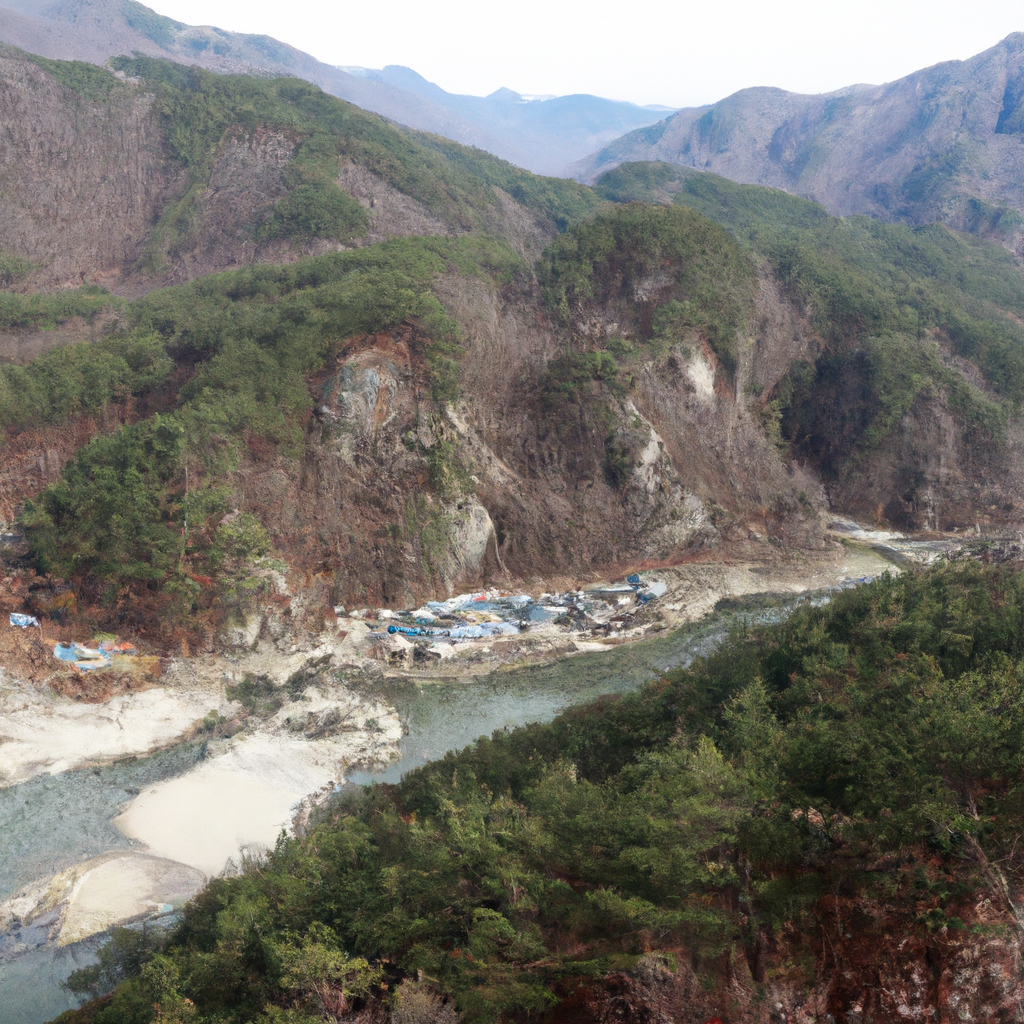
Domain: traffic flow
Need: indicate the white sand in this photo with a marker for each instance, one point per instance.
(245, 796)
(41, 732)
(114, 888)
(204, 817)
(123, 888)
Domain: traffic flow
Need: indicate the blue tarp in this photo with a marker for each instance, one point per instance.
(82, 657)
(472, 631)
(482, 629)
(415, 631)
(17, 619)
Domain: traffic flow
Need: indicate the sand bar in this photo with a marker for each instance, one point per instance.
(41, 732)
(245, 793)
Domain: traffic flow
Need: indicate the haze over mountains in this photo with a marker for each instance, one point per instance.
(936, 145)
(544, 137)
(538, 134)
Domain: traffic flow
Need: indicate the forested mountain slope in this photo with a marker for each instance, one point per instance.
(944, 143)
(911, 386)
(432, 370)
(131, 185)
(544, 137)
(820, 822)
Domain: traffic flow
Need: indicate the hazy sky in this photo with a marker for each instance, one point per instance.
(678, 52)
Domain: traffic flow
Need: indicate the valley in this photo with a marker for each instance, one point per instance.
(516, 598)
(207, 800)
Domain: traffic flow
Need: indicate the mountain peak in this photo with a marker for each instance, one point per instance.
(529, 134)
(505, 95)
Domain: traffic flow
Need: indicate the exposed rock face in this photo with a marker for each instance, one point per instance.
(392, 213)
(871, 965)
(34, 458)
(82, 182)
(935, 473)
(245, 179)
(938, 470)
(916, 149)
(396, 501)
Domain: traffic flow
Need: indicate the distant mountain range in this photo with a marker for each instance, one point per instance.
(945, 143)
(543, 136)
(538, 133)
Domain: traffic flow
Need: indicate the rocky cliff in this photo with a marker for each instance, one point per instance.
(83, 182)
(348, 334)
(395, 495)
(95, 195)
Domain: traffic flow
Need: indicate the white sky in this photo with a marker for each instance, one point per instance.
(676, 52)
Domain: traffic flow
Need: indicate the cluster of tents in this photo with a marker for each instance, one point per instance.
(492, 613)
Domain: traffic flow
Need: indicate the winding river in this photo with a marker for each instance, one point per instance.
(53, 821)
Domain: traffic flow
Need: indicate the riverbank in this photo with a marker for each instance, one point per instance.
(686, 594)
(46, 732)
(253, 777)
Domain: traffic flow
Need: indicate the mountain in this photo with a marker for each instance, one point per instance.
(945, 143)
(267, 353)
(540, 134)
(415, 367)
(543, 136)
(107, 185)
(355, 253)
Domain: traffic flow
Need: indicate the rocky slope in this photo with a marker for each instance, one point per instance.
(95, 195)
(941, 144)
(83, 182)
(387, 397)
(542, 136)
(394, 495)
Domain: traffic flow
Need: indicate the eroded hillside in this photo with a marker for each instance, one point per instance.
(421, 369)
(133, 182)
(905, 406)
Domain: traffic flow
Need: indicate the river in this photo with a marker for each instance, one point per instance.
(444, 715)
(52, 821)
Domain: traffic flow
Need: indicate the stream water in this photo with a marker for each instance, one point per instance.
(443, 715)
(51, 822)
